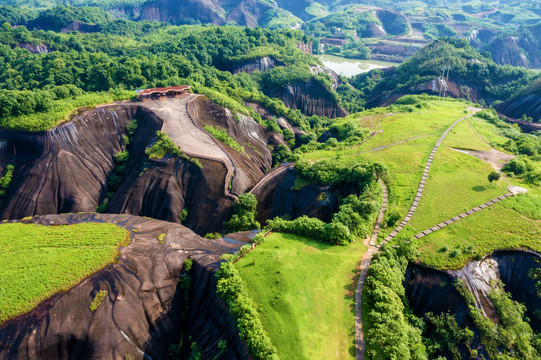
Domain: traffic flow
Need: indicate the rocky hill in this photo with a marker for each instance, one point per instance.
(145, 310)
(66, 169)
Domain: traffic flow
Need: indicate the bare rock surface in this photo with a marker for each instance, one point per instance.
(67, 168)
(311, 97)
(278, 196)
(141, 315)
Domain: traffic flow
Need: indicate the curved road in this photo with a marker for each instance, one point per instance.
(189, 136)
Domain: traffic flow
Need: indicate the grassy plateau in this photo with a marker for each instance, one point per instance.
(39, 261)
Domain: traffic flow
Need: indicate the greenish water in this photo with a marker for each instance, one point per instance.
(351, 67)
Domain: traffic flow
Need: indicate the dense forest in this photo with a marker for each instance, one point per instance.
(126, 56)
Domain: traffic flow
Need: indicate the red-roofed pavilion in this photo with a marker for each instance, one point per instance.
(159, 92)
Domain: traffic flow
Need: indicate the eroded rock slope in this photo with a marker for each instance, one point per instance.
(142, 314)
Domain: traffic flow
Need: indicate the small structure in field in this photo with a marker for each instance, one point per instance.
(163, 92)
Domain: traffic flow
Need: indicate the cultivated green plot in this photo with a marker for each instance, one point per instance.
(304, 293)
(39, 261)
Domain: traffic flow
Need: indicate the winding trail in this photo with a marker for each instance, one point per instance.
(421, 187)
(360, 343)
(189, 136)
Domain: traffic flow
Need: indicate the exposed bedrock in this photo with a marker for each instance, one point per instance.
(277, 196)
(455, 89)
(249, 66)
(506, 51)
(429, 290)
(181, 11)
(311, 97)
(141, 315)
(218, 12)
(249, 166)
(515, 268)
(66, 169)
(529, 105)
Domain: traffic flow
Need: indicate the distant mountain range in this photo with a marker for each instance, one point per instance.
(380, 29)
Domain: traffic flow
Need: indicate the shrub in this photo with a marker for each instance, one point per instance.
(5, 180)
(164, 145)
(223, 136)
(100, 295)
(454, 253)
(389, 334)
(183, 214)
(214, 235)
(233, 290)
(161, 237)
(244, 214)
(516, 165)
(494, 176)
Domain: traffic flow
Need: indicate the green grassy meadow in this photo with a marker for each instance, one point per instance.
(39, 261)
(493, 228)
(457, 182)
(304, 293)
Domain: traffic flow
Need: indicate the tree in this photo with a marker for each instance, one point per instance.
(244, 217)
(380, 170)
(494, 176)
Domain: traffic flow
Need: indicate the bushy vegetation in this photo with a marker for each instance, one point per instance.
(5, 180)
(389, 332)
(98, 298)
(222, 135)
(513, 336)
(232, 288)
(128, 55)
(163, 145)
(354, 218)
(528, 165)
(121, 160)
(40, 110)
(39, 261)
(331, 172)
(244, 214)
(499, 82)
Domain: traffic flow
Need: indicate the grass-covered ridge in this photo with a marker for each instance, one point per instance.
(39, 261)
(222, 135)
(304, 293)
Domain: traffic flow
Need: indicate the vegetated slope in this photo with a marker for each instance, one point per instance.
(471, 76)
(67, 169)
(134, 308)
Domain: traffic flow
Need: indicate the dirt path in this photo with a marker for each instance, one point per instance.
(360, 343)
(182, 130)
